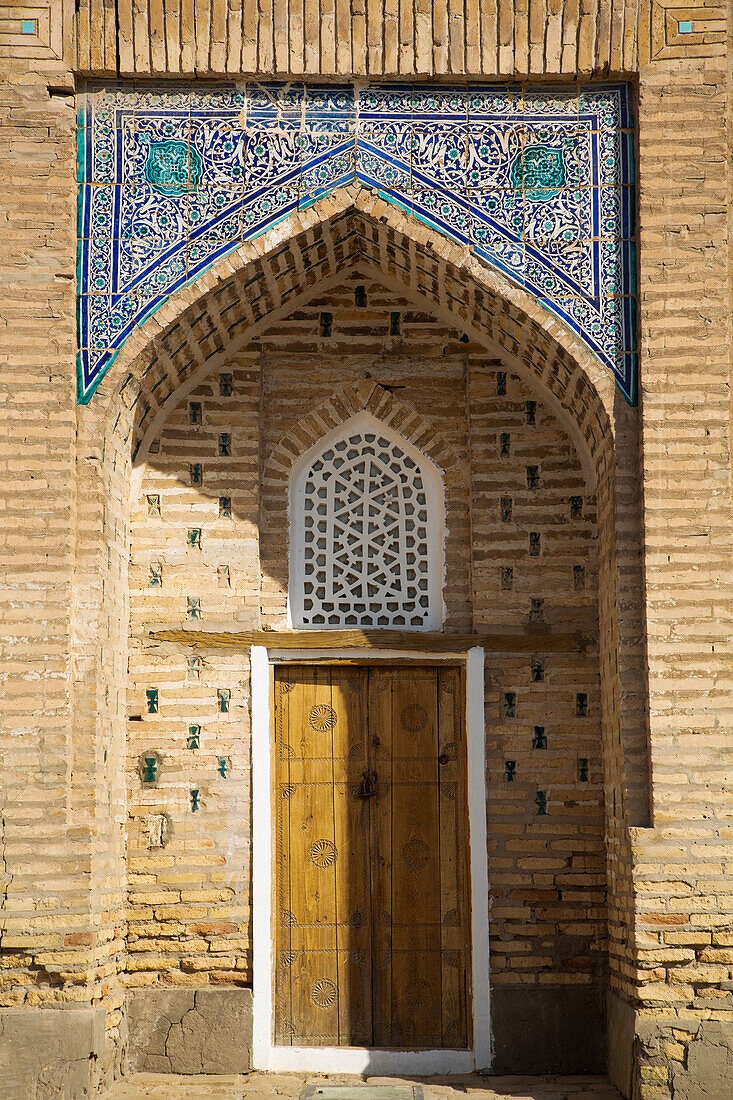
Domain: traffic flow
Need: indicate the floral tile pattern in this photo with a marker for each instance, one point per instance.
(538, 181)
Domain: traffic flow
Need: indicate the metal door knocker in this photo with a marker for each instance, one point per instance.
(368, 786)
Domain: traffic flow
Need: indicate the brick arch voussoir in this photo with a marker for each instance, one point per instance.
(364, 396)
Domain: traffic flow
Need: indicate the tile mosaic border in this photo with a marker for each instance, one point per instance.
(539, 182)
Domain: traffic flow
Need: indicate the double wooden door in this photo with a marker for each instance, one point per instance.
(372, 936)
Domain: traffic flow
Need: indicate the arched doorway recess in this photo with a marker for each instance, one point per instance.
(306, 258)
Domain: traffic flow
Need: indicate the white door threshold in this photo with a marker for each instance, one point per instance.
(367, 1060)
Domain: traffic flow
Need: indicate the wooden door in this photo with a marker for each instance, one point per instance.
(372, 943)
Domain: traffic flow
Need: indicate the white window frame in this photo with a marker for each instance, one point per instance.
(266, 1054)
(436, 531)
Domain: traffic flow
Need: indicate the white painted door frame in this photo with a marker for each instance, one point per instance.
(266, 1055)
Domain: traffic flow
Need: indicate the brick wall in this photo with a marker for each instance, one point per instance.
(45, 812)
(535, 562)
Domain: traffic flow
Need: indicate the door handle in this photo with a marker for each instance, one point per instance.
(368, 786)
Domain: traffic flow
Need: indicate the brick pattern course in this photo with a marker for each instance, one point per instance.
(390, 37)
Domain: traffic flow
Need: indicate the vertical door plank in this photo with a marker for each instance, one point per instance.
(416, 996)
(372, 940)
(453, 915)
(351, 832)
(380, 816)
(312, 844)
(284, 958)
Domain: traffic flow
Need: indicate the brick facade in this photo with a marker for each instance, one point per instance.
(623, 886)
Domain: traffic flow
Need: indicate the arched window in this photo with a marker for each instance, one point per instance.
(366, 532)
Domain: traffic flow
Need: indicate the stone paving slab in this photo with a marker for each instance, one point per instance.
(268, 1086)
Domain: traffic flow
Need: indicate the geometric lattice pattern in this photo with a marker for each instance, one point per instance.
(537, 182)
(365, 550)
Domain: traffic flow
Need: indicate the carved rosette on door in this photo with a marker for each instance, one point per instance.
(372, 937)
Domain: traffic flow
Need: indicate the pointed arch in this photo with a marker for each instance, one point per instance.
(265, 279)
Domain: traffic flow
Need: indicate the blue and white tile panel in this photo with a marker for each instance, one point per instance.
(539, 182)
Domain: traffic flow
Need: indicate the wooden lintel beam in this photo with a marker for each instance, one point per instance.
(374, 639)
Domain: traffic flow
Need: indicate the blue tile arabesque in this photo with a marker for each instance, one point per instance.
(537, 181)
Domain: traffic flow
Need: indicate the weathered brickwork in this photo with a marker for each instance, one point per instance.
(424, 385)
(60, 912)
(624, 883)
(194, 555)
(534, 561)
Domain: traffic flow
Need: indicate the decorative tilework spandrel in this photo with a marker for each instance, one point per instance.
(538, 182)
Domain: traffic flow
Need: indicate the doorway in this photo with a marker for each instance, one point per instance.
(372, 885)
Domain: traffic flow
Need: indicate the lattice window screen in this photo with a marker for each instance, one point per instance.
(365, 549)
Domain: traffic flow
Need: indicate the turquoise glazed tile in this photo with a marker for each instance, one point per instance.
(537, 181)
